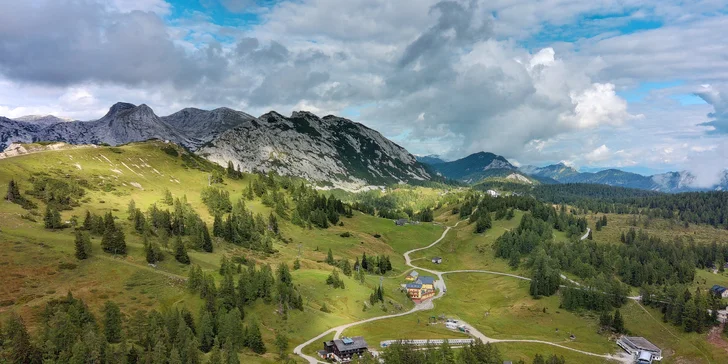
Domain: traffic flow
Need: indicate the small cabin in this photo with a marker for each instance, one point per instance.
(412, 276)
(437, 260)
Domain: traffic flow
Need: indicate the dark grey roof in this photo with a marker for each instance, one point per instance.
(357, 342)
(642, 343)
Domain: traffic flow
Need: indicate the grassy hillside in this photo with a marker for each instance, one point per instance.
(39, 264)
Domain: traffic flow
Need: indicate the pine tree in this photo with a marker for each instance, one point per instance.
(296, 264)
(21, 349)
(618, 322)
(52, 218)
(83, 245)
(112, 322)
(281, 343)
(206, 240)
(88, 221)
(13, 194)
(446, 354)
(254, 340)
(273, 223)
(131, 210)
(346, 267)
(167, 199)
(231, 356)
(206, 331)
(330, 258)
(180, 252)
(215, 355)
(174, 356)
(151, 250)
(605, 319)
(217, 226)
(113, 241)
(484, 222)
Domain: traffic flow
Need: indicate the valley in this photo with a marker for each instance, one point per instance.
(474, 284)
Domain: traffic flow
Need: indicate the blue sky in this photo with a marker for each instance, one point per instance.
(638, 85)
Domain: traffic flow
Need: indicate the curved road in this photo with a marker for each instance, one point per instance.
(427, 305)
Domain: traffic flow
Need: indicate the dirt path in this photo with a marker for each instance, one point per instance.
(429, 304)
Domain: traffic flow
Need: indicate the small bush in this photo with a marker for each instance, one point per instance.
(345, 234)
(67, 266)
(325, 308)
(28, 217)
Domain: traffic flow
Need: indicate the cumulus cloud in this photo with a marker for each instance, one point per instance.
(719, 101)
(599, 154)
(449, 77)
(68, 42)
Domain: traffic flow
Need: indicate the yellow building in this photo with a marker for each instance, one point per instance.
(412, 276)
(421, 289)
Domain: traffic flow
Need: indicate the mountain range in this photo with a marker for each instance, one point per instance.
(330, 151)
(479, 166)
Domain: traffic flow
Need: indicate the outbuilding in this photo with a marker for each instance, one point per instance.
(640, 347)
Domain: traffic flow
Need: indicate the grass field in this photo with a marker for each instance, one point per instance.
(462, 249)
(37, 265)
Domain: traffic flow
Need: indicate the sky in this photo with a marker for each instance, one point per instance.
(638, 85)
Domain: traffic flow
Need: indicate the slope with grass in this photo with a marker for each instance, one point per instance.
(39, 264)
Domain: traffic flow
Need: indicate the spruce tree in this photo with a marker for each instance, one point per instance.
(174, 356)
(281, 343)
(618, 322)
(217, 226)
(605, 319)
(167, 199)
(83, 245)
(254, 340)
(206, 331)
(215, 355)
(112, 322)
(52, 219)
(330, 258)
(180, 252)
(18, 343)
(296, 264)
(13, 194)
(206, 240)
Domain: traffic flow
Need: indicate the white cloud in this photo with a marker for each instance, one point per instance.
(599, 154)
(453, 77)
(597, 105)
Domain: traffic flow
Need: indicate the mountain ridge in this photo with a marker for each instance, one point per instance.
(469, 170)
(330, 151)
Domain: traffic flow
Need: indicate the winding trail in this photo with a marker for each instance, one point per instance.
(427, 305)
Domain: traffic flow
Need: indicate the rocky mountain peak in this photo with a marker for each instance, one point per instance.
(118, 108)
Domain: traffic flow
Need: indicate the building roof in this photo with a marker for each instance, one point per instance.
(436, 258)
(414, 285)
(348, 343)
(641, 343)
(718, 289)
(413, 273)
(426, 280)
